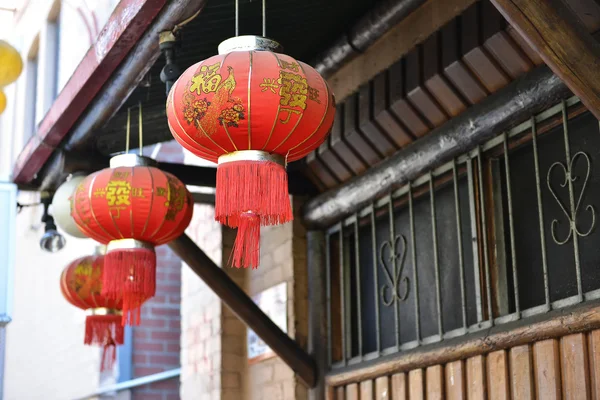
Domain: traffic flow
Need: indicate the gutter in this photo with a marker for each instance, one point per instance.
(126, 49)
(364, 33)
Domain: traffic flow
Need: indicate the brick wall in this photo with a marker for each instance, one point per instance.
(201, 315)
(156, 342)
(214, 361)
(283, 259)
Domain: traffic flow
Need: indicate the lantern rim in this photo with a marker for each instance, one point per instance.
(102, 311)
(131, 160)
(252, 155)
(125, 244)
(249, 43)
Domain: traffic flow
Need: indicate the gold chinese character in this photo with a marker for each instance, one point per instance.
(291, 66)
(207, 80)
(269, 84)
(293, 90)
(137, 192)
(117, 193)
(161, 191)
(313, 94)
(120, 175)
(289, 111)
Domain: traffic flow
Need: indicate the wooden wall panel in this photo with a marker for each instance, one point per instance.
(434, 380)
(497, 376)
(416, 385)
(568, 367)
(399, 386)
(366, 390)
(382, 388)
(521, 373)
(352, 392)
(476, 378)
(455, 380)
(546, 360)
(574, 367)
(594, 356)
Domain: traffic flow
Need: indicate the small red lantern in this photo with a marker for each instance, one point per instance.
(81, 285)
(251, 110)
(131, 206)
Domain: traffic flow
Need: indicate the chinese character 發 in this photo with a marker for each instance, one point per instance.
(293, 90)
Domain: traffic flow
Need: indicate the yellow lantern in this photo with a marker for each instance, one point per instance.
(11, 64)
(2, 101)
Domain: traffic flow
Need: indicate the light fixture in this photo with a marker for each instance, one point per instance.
(52, 241)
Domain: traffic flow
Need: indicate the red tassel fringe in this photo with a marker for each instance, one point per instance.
(251, 194)
(260, 187)
(130, 273)
(107, 331)
(246, 249)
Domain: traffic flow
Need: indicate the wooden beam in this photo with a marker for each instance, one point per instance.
(126, 24)
(561, 39)
(246, 310)
(554, 324)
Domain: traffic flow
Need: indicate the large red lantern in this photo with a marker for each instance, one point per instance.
(81, 285)
(131, 206)
(252, 110)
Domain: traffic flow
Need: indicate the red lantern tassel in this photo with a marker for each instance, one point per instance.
(246, 249)
(130, 273)
(251, 193)
(105, 330)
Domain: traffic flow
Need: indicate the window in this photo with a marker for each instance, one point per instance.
(31, 91)
(501, 233)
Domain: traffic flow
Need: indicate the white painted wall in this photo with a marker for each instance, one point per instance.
(44, 357)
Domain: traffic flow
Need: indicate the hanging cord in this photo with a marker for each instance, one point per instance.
(264, 18)
(237, 17)
(141, 139)
(128, 130)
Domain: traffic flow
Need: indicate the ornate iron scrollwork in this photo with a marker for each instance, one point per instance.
(393, 267)
(569, 178)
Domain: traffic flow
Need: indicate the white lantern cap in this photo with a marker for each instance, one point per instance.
(61, 207)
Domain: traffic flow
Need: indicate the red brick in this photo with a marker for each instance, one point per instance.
(173, 396)
(139, 333)
(139, 358)
(163, 386)
(148, 346)
(175, 324)
(164, 359)
(173, 348)
(168, 288)
(145, 396)
(174, 277)
(163, 311)
(143, 371)
(153, 323)
(174, 336)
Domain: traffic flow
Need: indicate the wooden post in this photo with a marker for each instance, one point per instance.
(246, 310)
(317, 303)
(561, 39)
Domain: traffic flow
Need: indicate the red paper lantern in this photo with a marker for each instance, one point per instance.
(81, 285)
(131, 206)
(251, 110)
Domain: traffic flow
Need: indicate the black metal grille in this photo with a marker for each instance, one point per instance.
(501, 233)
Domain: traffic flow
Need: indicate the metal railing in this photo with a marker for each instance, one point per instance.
(132, 384)
(485, 273)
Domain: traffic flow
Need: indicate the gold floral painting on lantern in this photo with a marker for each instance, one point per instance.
(86, 279)
(224, 109)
